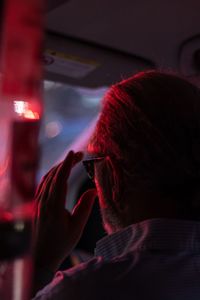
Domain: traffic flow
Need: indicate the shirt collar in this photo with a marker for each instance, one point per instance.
(158, 234)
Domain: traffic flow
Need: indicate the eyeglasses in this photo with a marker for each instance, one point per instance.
(89, 166)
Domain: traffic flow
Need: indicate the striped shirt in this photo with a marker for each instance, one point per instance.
(154, 259)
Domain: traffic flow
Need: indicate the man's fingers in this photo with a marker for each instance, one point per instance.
(42, 196)
(40, 187)
(65, 168)
(77, 157)
(52, 190)
(58, 188)
(82, 210)
(59, 183)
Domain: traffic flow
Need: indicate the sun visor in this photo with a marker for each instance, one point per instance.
(84, 64)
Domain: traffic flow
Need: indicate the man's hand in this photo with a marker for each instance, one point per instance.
(57, 231)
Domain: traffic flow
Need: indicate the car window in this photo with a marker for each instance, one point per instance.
(68, 112)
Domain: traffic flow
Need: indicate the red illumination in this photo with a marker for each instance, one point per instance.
(24, 156)
(6, 216)
(22, 47)
(4, 167)
(29, 114)
(26, 110)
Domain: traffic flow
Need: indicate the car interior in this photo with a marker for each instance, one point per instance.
(90, 45)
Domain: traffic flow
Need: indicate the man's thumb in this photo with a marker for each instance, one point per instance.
(83, 208)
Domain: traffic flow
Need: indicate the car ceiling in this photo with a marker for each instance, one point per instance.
(154, 30)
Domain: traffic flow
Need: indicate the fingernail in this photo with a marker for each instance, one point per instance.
(78, 155)
(70, 153)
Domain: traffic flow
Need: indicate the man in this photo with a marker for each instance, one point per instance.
(147, 171)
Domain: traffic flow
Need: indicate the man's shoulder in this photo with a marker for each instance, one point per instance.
(70, 281)
(84, 280)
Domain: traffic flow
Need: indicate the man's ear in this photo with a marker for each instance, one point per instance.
(116, 179)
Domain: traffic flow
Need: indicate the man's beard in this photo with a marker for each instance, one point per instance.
(111, 222)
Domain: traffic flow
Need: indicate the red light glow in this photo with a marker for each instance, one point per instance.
(23, 109)
(6, 216)
(3, 168)
(29, 114)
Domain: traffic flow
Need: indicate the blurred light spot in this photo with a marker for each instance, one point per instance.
(19, 226)
(53, 129)
(29, 114)
(91, 102)
(48, 85)
(22, 108)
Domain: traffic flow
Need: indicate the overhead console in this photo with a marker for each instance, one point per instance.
(85, 64)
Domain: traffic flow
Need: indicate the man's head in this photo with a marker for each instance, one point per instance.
(149, 135)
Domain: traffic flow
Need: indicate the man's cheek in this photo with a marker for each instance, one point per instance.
(101, 195)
